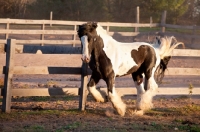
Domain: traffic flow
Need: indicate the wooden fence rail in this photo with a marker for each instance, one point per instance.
(45, 23)
(45, 29)
(11, 68)
(10, 27)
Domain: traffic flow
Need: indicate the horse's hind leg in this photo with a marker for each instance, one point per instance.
(140, 104)
(145, 91)
(92, 88)
(115, 99)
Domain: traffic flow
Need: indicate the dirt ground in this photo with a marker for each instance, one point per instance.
(60, 114)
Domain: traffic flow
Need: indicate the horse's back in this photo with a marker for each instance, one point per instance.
(125, 57)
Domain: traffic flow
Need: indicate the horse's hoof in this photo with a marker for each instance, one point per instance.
(121, 110)
(102, 100)
(133, 112)
(139, 112)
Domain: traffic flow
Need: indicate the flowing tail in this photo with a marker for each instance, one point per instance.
(165, 47)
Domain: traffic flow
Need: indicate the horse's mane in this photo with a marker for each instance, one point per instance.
(102, 32)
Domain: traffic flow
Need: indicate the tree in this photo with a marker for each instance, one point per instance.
(174, 8)
(102, 10)
(13, 8)
(122, 10)
(81, 10)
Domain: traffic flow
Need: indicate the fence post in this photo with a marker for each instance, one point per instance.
(74, 36)
(137, 18)
(194, 32)
(83, 92)
(7, 28)
(42, 35)
(151, 21)
(163, 21)
(51, 17)
(9, 69)
(108, 27)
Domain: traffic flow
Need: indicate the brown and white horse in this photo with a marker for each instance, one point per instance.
(109, 58)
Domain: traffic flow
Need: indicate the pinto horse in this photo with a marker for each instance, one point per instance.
(109, 58)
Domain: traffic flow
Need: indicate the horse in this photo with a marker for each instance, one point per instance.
(109, 59)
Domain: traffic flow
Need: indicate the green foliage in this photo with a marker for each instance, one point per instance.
(40, 98)
(100, 10)
(35, 128)
(79, 10)
(72, 126)
(174, 8)
(109, 10)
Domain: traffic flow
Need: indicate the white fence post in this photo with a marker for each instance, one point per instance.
(51, 17)
(137, 18)
(163, 21)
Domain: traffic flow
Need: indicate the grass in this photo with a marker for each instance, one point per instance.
(178, 124)
(182, 111)
(26, 114)
(38, 27)
(35, 128)
(50, 83)
(46, 98)
(71, 126)
(131, 29)
(40, 98)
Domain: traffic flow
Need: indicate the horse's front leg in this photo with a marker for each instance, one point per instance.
(92, 88)
(115, 99)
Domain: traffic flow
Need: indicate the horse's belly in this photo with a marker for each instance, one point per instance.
(126, 67)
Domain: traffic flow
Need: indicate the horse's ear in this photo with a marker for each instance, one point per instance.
(94, 25)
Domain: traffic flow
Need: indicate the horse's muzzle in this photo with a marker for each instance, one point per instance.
(85, 59)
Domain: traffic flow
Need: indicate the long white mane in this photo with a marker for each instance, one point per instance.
(101, 31)
(105, 35)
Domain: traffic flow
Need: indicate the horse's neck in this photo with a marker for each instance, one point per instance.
(104, 34)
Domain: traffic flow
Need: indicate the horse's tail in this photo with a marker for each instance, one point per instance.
(165, 47)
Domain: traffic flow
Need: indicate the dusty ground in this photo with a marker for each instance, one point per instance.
(59, 114)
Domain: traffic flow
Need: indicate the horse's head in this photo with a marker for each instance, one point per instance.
(87, 34)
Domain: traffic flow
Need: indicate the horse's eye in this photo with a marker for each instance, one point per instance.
(89, 39)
